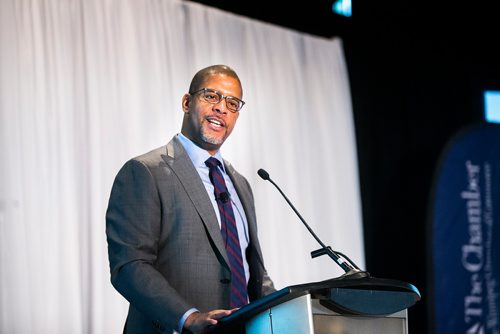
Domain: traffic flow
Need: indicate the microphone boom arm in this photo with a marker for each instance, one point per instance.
(343, 261)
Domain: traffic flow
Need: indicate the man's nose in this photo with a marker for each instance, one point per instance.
(220, 107)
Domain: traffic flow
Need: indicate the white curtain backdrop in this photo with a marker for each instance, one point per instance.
(87, 84)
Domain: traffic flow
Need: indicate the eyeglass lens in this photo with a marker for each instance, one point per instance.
(214, 97)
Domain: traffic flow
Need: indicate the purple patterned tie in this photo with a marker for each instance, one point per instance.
(239, 295)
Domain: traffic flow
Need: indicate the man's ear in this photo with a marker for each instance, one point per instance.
(186, 101)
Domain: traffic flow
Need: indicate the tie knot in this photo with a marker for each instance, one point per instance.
(212, 162)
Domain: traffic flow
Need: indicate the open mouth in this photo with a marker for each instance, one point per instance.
(215, 122)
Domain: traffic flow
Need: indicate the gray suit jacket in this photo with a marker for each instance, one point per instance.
(165, 248)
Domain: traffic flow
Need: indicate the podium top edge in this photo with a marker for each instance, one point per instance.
(365, 283)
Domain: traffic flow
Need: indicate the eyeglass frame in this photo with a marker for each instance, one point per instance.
(221, 96)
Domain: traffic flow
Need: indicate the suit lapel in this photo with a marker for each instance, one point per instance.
(245, 199)
(254, 253)
(181, 165)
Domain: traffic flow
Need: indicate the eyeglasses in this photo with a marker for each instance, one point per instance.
(212, 96)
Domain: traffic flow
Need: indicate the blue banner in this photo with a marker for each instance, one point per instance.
(465, 234)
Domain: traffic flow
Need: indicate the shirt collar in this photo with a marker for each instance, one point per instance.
(198, 155)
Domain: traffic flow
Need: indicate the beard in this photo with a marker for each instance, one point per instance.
(212, 139)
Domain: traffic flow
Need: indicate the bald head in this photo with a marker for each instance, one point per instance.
(206, 73)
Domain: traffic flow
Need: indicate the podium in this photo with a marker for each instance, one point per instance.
(337, 306)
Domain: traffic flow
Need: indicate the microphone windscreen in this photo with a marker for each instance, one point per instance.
(263, 174)
(224, 197)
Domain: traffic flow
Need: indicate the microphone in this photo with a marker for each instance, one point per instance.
(264, 175)
(224, 197)
(351, 269)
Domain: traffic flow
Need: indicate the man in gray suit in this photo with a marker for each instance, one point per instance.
(166, 252)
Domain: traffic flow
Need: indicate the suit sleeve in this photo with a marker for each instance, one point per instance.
(133, 224)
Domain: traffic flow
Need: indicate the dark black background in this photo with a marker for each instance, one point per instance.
(417, 71)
